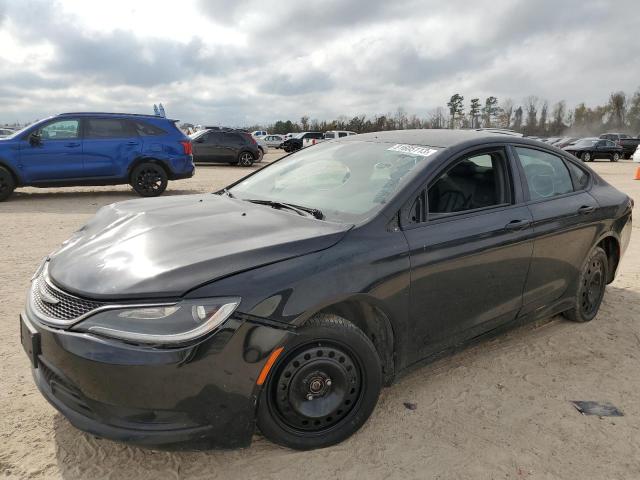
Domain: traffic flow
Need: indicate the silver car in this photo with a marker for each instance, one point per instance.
(273, 140)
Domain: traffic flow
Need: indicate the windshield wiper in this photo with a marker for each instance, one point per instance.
(300, 210)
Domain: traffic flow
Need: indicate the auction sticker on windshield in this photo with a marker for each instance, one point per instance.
(413, 149)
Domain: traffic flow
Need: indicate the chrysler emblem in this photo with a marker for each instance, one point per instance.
(46, 297)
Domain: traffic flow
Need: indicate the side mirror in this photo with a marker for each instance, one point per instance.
(35, 139)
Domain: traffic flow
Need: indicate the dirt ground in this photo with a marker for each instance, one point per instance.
(498, 410)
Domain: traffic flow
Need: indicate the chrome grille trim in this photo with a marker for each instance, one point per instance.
(69, 309)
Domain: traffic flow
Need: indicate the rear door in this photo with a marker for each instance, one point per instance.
(564, 223)
(207, 148)
(58, 154)
(470, 247)
(110, 144)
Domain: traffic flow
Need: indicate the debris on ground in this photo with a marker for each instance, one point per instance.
(604, 409)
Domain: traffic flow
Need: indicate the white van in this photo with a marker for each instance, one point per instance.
(332, 134)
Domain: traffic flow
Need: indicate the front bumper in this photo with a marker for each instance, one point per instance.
(200, 396)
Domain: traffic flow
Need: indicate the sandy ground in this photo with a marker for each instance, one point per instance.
(497, 410)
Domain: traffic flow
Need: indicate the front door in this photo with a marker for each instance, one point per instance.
(56, 153)
(470, 247)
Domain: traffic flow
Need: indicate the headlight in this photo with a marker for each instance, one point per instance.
(161, 324)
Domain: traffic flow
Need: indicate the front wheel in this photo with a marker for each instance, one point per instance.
(245, 159)
(149, 179)
(585, 157)
(615, 157)
(591, 285)
(324, 387)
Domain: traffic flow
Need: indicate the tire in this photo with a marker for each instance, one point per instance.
(149, 179)
(7, 184)
(260, 156)
(323, 388)
(615, 157)
(586, 157)
(591, 286)
(245, 159)
(626, 156)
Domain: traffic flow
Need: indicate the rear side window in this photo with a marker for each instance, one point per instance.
(146, 129)
(580, 177)
(342, 134)
(547, 175)
(329, 135)
(108, 128)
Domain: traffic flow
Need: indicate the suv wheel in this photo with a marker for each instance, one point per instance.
(7, 184)
(616, 157)
(149, 179)
(260, 155)
(585, 157)
(323, 388)
(245, 159)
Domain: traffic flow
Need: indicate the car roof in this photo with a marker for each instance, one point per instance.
(441, 138)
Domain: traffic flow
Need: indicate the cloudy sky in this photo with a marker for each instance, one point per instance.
(241, 62)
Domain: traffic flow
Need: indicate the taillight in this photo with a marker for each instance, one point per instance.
(250, 137)
(188, 148)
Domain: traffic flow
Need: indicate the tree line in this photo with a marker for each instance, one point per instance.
(532, 116)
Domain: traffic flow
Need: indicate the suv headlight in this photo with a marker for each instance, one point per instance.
(161, 324)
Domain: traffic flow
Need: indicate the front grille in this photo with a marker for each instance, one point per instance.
(54, 304)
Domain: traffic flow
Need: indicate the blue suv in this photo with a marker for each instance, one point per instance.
(72, 149)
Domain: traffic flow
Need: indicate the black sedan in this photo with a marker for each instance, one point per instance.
(589, 149)
(289, 299)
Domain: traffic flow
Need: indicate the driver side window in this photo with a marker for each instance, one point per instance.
(60, 130)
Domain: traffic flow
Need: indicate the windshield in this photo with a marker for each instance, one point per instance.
(197, 134)
(347, 182)
(586, 142)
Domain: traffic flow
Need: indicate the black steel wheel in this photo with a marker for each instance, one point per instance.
(591, 287)
(149, 179)
(245, 159)
(323, 388)
(7, 184)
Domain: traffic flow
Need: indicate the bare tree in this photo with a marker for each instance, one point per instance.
(456, 108)
(531, 106)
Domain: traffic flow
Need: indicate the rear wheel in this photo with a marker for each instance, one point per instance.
(585, 157)
(615, 157)
(324, 388)
(149, 179)
(245, 159)
(592, 283)
(7, 184)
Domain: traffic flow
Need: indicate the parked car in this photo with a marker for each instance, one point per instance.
(5, 132)
(260, 133)
(332, 134)
(289, 298)
(70, 149)
(589, 149)
(300, 140)
(262, 147)
(628, 143)
(274, 141)
(565, 142)
(225, 146)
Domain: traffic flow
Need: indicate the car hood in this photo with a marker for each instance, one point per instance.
(167, 246)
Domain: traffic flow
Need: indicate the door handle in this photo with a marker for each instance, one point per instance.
(515, 225)
(133, 143)
(586, 210)
(72, 144)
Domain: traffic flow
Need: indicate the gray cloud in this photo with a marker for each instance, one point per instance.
(324, 59)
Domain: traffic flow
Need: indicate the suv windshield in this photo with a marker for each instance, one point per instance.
(347, 182)
(586, 142)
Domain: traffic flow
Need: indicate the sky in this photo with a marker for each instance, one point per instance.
(246, 62)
